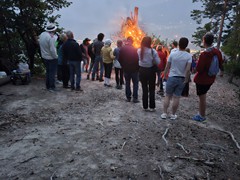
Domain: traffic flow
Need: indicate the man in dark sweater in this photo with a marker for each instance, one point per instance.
(72, 54)
(128, 58)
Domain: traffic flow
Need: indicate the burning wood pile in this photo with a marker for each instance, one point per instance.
(131, 28)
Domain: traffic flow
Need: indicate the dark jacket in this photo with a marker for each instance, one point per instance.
(203, 65)
(97, 46)
(128, 58)
(71, 51)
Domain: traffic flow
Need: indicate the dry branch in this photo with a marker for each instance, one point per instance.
(160, 172)
(193, 159)
(185, 150)
(123, 145)
(163, 136)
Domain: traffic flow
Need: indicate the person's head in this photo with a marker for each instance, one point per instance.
(183, 43)
(63, 37)
(146, 42)
(108, 42)
(51, 27)
(86, 41)
(208, 39)
(69, 34)
(130, 40)
(188, 50)
(100, 36)
(174, 44)
(159, 48)
(119, 43)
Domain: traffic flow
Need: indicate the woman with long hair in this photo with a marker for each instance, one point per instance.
(148, 61)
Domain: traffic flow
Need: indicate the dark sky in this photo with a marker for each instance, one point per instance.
(168, 18)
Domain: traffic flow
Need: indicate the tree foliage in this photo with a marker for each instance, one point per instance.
(220, 14)
(22, 21)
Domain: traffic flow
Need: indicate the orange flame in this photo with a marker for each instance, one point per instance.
(130, 28)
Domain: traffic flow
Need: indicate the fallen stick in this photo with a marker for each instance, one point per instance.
(51, 178)
(163, 136)
(193, 159)
(181, 146)
(233, 138)
(160, 172)
(123, 145)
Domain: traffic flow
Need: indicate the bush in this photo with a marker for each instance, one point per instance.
(233, 68)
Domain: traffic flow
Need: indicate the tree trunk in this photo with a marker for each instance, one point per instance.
(221, 24)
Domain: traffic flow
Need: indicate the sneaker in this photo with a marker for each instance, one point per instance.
(128, 99)
(173, 116)
(199, 118)
(146, 109)
(164, 116)
(79, 89)
(101, 80)
(135, 100)
(152, 109)
(51, 90)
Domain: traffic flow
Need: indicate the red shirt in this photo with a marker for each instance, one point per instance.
(203, 65)
(163, 60)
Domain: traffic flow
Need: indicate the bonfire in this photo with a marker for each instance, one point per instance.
(131, 28)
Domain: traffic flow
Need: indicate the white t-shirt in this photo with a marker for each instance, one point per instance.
(179, 61)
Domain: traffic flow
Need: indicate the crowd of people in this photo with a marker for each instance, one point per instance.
(152, 66)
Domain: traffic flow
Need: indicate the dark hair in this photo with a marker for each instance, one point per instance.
(146, 42)
(208, 38)
(175, 43)
(130, 38)
(183, 43)
(100, 36)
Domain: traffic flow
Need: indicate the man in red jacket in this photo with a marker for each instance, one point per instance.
(202, 79)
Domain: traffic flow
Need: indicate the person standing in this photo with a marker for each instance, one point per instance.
(118, 68)
(92, 56)
(202, 79)
(97, 46)
(108, 58)
(85, 56)
(73, 55)
(161, 67)
(48, 49)
(148, 58)
(128, 59)
(174, 46)
(178, 65)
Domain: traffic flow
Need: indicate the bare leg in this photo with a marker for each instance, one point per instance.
(202, 105)
(175, 104)
(166, 103)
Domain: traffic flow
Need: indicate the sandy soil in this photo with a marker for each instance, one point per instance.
(96, 134)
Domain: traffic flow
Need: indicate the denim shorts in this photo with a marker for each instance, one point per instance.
(175, 86)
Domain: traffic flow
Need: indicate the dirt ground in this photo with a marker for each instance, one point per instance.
(96, 134)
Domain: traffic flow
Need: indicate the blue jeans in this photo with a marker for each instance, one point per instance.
(134, 77)
(175, 86)
(75, 68)
(51, 69)
(98, 60)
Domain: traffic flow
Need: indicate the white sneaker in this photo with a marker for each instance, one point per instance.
(152, 109)
(173, 116)
(164, 116)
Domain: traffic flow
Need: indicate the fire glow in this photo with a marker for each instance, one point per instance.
(130, 28)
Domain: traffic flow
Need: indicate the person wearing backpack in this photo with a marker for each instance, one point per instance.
(202, 77)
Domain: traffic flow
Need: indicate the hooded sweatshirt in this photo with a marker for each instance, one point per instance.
(107, 54)
(203, 65)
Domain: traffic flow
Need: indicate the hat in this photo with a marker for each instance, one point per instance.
(108, 42)
(50, 27)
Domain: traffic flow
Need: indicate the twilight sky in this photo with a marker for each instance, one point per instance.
(167, 18)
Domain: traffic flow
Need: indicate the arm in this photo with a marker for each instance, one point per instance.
(166, 70)
(53, 48)
(187, 72)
